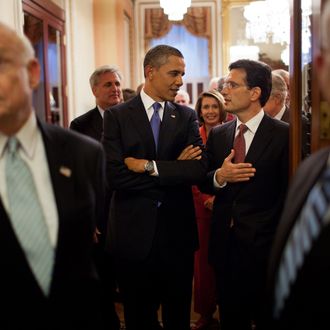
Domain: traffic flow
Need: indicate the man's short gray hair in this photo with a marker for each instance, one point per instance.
(95, 77)
(279, 86)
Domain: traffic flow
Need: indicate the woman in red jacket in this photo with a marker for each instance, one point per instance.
(210, 112)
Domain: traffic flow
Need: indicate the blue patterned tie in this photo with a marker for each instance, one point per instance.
(314, 216)
(27, 217)
(155, 122)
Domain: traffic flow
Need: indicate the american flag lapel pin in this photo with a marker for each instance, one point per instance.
(65, 171)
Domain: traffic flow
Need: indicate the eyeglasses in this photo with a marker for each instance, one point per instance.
(231, 85)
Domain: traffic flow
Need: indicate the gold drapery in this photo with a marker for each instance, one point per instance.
(197, 21)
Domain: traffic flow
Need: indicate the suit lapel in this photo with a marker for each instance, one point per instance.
(229, 137)
(97, 122)
(139, 118)
(60, 168)
(168, 127)
(261, 140)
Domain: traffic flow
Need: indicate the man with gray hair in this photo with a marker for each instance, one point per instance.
(275, 106)
(299, 267)
(286, 77)
(105, 83)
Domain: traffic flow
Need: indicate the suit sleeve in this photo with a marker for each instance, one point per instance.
(74, 126)
(207, 186)
(118, 175)
(174, 172)
(100, 191)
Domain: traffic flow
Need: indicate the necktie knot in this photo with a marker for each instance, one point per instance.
(156, 106)
(12, 145)
(242, 129)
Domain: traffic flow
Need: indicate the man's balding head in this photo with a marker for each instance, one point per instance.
(19, 75)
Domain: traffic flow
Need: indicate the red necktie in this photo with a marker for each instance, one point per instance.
(239, 144)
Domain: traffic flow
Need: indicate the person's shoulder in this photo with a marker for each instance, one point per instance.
(183, 110)
(126, 106)
(278, 124)
(181, 107)
(319, 156)
(65, 135)
(85, 117)
(220, 129)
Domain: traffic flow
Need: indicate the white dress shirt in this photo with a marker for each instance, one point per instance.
(32, 151)
(101, 111)
(280, 113)
(148, 103)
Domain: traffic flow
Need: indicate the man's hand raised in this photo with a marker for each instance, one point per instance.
(231, 172)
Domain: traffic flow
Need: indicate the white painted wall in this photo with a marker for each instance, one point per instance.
(11, 14)
(80, 56)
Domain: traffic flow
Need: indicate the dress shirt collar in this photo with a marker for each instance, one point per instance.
(148, 101)
(27, 136)
(280, 113)
(253, 123)
(101, 111)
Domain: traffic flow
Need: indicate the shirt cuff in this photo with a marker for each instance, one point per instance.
(215, 182)
(155, 173)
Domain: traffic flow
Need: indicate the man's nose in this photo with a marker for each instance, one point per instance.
(179, 80)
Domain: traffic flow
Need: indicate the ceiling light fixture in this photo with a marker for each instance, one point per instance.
(175, 9)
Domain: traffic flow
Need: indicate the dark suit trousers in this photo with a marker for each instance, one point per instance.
(105, 268)
(164, 278)
(239, 287)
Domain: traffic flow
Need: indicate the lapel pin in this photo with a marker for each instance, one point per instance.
(65, 171)
(172, 116)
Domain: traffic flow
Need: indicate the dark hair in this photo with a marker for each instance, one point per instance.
(258, 74)
(128, 93)
(219, 98)
(158, 55)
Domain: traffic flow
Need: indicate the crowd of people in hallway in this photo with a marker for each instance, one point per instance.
(161, 203)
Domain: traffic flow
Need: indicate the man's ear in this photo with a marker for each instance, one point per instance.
(256, 92)
(33, 68)
(149, 72)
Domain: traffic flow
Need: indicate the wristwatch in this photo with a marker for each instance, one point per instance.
(149, 167)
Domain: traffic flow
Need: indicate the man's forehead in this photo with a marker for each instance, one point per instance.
(236, 74)
(110, 76)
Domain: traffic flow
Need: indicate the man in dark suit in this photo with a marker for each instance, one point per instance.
(152, 232)
(249, 192)
(66, 174)
(105, 83)
(301, 302)
(277, 108)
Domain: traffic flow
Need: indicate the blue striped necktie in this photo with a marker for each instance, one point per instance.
(155, 122)
(27, 217)
(314, 216)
